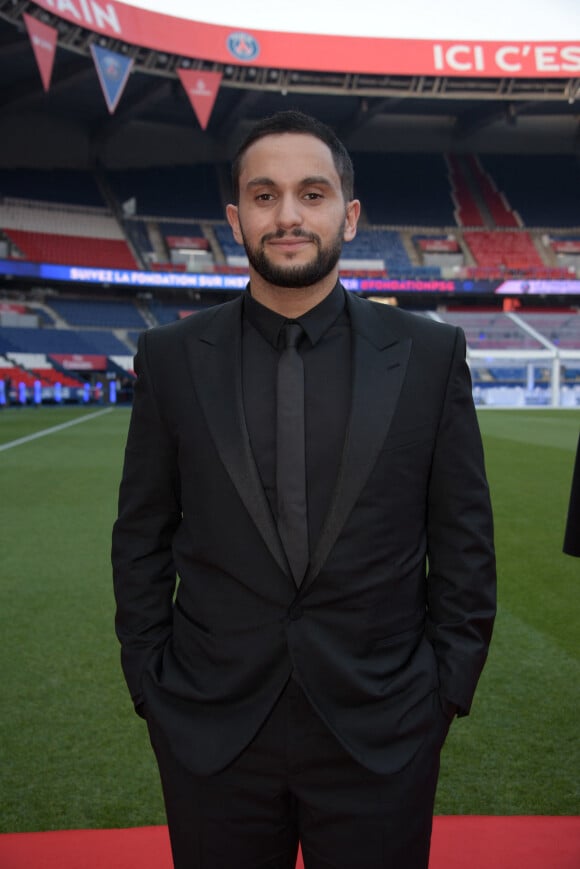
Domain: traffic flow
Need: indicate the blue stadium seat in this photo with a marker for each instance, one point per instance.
(114, 315)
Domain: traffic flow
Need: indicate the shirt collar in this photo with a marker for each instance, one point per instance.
(315, 322)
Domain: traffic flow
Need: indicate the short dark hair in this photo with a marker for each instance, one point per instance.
(297, 122)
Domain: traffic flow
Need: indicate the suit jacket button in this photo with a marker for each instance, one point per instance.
(295, 613)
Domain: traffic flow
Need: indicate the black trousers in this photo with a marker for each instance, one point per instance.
(296, 783)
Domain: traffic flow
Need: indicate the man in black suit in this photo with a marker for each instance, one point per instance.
(299, 680)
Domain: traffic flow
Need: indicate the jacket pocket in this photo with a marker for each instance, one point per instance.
(400, 637)
(407, 438)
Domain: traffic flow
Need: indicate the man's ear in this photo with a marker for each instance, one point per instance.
(352, 216)
(234, 221)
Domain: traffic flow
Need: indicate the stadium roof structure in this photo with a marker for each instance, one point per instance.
(154, 123)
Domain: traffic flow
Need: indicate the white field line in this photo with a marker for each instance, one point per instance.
(55, 428)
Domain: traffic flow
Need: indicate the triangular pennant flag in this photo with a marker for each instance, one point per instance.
(113, 70)
(43, 39)
(202, 89)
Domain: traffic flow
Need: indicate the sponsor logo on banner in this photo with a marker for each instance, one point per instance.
(113, 70)
(43, 39)
(243, 46)
(202, 89)
(438, 245)
(570, 246)
(9, 307)
(80, 362)
(186, 242)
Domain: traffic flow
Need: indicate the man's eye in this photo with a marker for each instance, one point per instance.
(264, 197)
(313, 195)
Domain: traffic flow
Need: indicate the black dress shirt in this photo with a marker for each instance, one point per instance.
(326, 353)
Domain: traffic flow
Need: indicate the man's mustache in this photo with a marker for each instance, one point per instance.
(294, 233)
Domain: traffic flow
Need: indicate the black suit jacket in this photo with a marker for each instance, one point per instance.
(397, 606)
(572, 532)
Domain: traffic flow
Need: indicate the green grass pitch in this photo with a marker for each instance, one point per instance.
(74, 755)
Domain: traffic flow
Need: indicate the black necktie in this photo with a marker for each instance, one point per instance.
(291, 453)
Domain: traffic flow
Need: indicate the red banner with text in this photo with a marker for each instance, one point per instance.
(12, 308)
(570, 246)
(320, 52)
(439, 245)
(186, 242)
(80, 362)
(43, 39)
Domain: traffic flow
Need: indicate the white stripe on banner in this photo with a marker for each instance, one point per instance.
(47, 431)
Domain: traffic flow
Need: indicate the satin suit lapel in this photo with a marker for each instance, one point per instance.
(216, 364)
(379, 364)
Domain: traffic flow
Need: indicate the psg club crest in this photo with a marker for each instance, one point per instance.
(112, 67)
(243, 46)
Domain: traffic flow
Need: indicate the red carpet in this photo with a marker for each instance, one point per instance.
(463, 842)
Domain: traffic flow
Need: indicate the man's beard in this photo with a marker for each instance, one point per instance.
(295, 276)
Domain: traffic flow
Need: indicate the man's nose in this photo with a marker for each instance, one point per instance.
(289, 213)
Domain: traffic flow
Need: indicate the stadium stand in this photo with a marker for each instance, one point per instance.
(136, 232)
(32, 379)
(499, 210)
(513, 365)
(544, 189)
(504, 250)
(384, 248)
(45, 317)
(171, 192)
(132, 337)
(66, 234)
(404, 189)
(561, 328)
(148, 210)
(93, 312)
(187, 245)
(166, 312)
(72, 250)
(48, 341)
(467, 212)
(171, 218)
(233, 252)
(491, 330)
(189, 230)
(39, 366)
(13, 375)
(75, 187)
